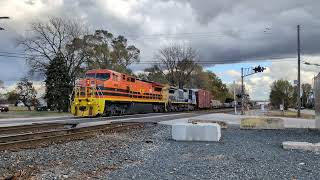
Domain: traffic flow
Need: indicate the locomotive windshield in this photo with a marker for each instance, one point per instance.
(103, 76)
(91, 75)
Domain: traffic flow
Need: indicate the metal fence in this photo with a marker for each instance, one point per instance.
(317, 99)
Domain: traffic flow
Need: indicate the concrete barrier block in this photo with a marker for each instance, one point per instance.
(222, 124)
(301, 146)
(196, 132)
(262, 123)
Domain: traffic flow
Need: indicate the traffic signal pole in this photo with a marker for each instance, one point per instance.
(234, 97)
(242, 93)
(299, 97)
(244, 73)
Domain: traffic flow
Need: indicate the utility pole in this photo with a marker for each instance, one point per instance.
(298, 98)
(242, 93)
(234, 97)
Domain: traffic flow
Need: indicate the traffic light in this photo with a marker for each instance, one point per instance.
(258, 69)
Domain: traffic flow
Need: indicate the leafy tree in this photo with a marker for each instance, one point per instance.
(281, 91)
(218, 88)
(106, 51)
(1, 84)
(12, 97)
(58, 85)
(2, 98)
(26, 93)
(209, 81)
(306, 90)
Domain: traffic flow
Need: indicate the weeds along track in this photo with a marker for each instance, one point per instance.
(43, 138)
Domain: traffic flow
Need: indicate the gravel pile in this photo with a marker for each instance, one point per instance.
(93, 157)
(149, 153)
(241, 154)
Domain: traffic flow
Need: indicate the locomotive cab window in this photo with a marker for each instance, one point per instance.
(91, 75)
(115, 77)
(103, 76)
(157, 89)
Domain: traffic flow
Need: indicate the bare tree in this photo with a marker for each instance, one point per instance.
(177, 63)
(55, 37)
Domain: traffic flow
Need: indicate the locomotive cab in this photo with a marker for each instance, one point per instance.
(87, 101)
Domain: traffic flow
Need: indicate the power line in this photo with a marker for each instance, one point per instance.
(13, 56)
(204, 61)
(313, 64)
(187, 37)
(15, 53)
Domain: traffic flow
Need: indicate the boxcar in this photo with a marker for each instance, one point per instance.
(203, 98)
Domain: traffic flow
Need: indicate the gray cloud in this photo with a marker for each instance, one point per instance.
(222, 31)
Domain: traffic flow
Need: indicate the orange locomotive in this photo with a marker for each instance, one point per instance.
(106, 92)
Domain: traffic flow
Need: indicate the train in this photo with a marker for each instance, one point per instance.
(104, 92)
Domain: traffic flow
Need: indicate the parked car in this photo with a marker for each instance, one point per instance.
(227, 105)
(4, 108)
(42, 108)
(300, 107)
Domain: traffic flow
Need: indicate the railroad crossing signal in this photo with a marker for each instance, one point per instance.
(244, 73)
(258, 69)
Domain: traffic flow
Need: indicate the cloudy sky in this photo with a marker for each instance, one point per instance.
(243, 32)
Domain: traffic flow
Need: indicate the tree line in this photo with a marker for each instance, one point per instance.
(61, 50)
(282, 92)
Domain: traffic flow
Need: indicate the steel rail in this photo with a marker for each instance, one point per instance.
(33, 127)
(33, 139)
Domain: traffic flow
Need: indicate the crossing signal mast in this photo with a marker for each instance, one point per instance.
(244, 73)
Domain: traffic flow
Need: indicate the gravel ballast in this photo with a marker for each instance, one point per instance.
(150, 153)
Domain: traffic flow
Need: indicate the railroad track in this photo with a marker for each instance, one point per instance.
(43, 138)
(29, 136)
(33, 127)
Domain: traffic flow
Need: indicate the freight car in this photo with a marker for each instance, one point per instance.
(203, 98)
(106, 92)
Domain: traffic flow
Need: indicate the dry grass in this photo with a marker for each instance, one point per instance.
(262, 123)
(289, 114)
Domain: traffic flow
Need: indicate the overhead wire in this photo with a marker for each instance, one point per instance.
(176, 35)
(203, 61)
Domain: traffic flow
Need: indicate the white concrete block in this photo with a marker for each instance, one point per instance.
(301, 146)
(196, 132)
